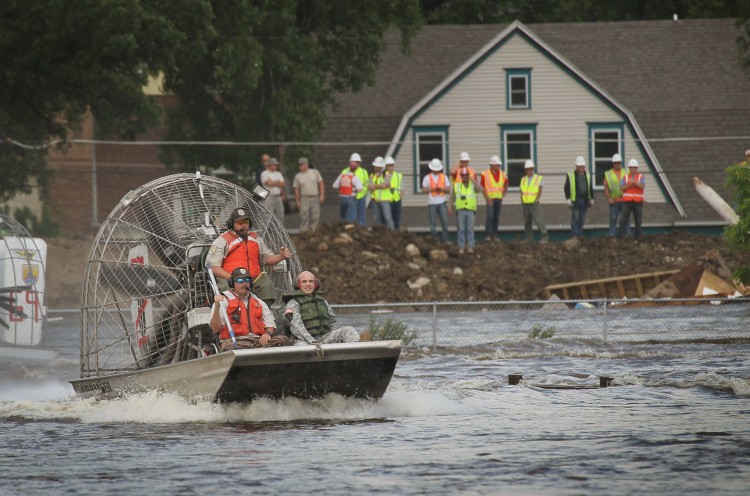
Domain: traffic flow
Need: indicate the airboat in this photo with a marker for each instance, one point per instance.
(147, 297)
(23, 309)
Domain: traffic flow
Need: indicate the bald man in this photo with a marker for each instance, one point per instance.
(311, 318)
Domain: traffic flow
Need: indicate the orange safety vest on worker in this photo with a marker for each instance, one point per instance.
(632, 193)
(243, 321)
(242, 253)
(439, 183)
(530, 190)
(346, 186)
(494, 188)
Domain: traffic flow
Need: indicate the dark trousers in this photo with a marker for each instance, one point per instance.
(636, 208)
(396, 214)
(493, 217)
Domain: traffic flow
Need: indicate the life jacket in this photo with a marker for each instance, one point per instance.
(494, 188)
(242, 253)
(242, 319)
(466, 196)
(439, 183)
(574, 186)
(380, 195)
(346, 185)
(530, 190)
(313, 311)
(631, 193)
(613, 183)
(396, 180)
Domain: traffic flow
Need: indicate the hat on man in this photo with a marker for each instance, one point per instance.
(747, 152)
(355, 158)
(580, 162)
(616, 158)
(464, 157)
(529, 164)
(273, 161)
(389, 161)
(378, 162)
(302, 160)
(495, 160)
(239, 272)
(435, 165)
(633, 163)
(239, 213)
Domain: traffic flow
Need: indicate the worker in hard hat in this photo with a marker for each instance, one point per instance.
(463, 163)
(396, 180)
(349, 184)
(632, 186)
(437, 186)
(380, 193)
(531, 192)
(580, 196)
(360, 199)
(612, 191)
(464, 196)
(494, 183)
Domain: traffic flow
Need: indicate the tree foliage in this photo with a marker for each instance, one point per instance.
(738, 235)
(266, 71)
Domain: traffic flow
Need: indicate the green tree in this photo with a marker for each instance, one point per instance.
(266, 71)
(738, 235)
(62, 60)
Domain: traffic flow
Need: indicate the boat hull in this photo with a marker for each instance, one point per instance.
(361, 370)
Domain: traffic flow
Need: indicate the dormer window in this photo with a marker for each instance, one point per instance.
(518, 88)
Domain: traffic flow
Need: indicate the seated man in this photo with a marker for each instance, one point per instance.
(251, 319)
(241, 247)
(311, 317)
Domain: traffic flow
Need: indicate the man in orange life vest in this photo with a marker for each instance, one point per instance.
(240, 247)
(250, 318)
(632, 186)
(437, 185)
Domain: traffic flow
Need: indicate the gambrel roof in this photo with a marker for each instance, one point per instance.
(681, 82)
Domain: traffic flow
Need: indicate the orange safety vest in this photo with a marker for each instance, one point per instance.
(530, 190)
(440, 183)
(242, 320)
(346, 185)
(242, 253)
(494, 188)
(632, 193)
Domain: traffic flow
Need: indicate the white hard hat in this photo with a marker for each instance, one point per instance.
(529, 164)
(389, 160)
(633, 163)
(495, 160)
(435, 165)
(355, 158)
(463, 156)
(378, 162)
(616, 158)
(580, 161)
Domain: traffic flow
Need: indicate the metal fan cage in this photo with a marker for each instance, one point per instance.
(22, 284)
(146, 269)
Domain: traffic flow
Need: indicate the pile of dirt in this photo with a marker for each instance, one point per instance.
(370, 265)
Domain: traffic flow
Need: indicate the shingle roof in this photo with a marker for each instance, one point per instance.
(679, 79)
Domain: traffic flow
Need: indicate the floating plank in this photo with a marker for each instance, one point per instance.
(631, 286)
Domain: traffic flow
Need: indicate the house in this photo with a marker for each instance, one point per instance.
(670, 94)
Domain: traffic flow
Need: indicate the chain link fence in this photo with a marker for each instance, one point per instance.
(472, 323)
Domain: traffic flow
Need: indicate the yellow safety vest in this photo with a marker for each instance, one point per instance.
(466, 196)
(572, 184)
(529, 191)
(379, 194)
(396, 180)
(494, 188)
(613, 182)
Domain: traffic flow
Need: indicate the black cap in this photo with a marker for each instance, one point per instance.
(239, 272)
(239, 214)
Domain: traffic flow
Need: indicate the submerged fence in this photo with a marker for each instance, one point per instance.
(471, 323)
(476, 323)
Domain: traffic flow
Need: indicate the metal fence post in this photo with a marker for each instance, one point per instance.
(605, 319)
(434, 324)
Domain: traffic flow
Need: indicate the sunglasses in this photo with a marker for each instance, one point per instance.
(243, 280)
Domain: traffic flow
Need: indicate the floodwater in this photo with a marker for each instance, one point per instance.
(677, 421)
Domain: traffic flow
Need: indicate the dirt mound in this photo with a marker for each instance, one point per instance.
(359, 265)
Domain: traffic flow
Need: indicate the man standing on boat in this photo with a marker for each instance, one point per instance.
(250, 318)
(310, 316)
(240, 247)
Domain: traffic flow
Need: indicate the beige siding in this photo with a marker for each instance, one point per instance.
(561, 108)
